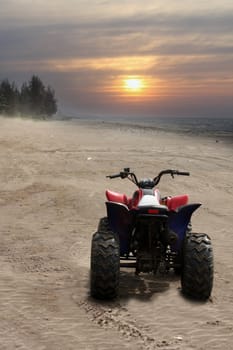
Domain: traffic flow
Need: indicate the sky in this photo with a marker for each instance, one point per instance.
(123, 57)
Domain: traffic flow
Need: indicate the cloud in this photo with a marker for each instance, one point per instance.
(141, 33)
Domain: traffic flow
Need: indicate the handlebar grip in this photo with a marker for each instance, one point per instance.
(113, 176)
(184, 173)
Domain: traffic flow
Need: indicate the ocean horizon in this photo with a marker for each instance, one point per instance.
(217, 127)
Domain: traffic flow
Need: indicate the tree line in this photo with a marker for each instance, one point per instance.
(33, 99)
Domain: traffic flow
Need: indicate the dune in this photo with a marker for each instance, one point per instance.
(52, 185)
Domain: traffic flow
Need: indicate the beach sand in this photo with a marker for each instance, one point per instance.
(52, 194)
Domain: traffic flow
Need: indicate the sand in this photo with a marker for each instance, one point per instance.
(52, 184)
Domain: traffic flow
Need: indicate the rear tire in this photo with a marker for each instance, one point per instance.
(105, 265)
(103, 224)
(197, 273)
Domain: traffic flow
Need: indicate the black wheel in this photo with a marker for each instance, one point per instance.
(103, 224)
(189, 228)
(198, 268)
(105, 265)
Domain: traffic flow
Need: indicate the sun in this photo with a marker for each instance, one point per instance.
(133, 84)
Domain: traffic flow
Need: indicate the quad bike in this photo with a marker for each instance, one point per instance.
(151, 234)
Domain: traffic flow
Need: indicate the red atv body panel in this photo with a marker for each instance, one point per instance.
(117, 197)
(173, 203)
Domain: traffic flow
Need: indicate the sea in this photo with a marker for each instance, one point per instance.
(219, 128)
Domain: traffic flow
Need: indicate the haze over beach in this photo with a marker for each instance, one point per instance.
(140, 84)
(122, 58)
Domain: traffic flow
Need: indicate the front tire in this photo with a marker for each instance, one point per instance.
(197, 272)
(105, 265)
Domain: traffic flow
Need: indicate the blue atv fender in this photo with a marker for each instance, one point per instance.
(178, 222)
(120, 221)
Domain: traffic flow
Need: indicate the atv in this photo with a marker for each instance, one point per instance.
(150, 233)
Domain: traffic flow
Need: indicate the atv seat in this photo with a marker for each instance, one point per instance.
(117, 197)
(173, 203)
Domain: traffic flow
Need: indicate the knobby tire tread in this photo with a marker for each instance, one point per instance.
(105, 263)
(198, 269)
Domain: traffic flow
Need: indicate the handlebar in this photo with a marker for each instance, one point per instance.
(171, 172)
(145, 183)
(113, 176)
(122, 174)
(184, 173)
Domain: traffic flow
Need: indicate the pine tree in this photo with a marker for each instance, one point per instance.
(50, 103)
(24, 100)
(33, 98)
(9, 97)
(36, 96)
